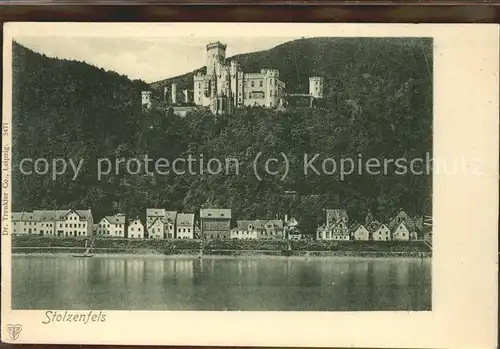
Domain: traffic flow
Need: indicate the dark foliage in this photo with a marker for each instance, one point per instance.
(378, 103)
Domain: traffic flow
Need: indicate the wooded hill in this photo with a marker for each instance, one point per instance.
(379, 104)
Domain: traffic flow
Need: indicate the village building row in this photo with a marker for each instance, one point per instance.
(214, 223)
(401, 227)
(57, 223)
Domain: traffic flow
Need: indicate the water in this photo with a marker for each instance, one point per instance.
(157, 283)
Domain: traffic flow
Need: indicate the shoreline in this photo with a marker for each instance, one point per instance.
(241, 256)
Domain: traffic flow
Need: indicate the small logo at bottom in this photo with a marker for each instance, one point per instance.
(14, 331)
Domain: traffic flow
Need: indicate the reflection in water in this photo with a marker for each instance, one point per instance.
(220, 284)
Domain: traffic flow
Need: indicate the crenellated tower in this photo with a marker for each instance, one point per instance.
(216, 54)
(316, 86)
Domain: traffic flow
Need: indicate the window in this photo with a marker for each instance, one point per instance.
(261, 83)
(251, 83)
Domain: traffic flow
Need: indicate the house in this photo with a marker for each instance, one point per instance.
(401, 232)
(290, 229)
(334, 214)
(155, 230)
(135, 229)
(46, 225)
(335, 226)
(73, 223)
(17, 223)
(154, 223)
(112, 226)
(246, 230)
(410, 225)
(339, 229)
(323, 233)
(185, 226)
(86, 216)
(215, 223)
(381, 233)
(62, 223)
(359, 232)
(169, 224)
(335, 231)
(273, 229)
(30, 223)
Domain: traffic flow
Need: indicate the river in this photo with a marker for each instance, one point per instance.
(261, 283)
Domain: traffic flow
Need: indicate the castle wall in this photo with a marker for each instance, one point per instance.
(316, 86)
(225, 86)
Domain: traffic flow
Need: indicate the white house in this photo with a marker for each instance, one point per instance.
(274, 228)
(323, 233)
(156, 230)
(291, 230)
(339, 230)
(336, 230)
(359, 232)
(155, 225)
(185, 225)
(46, 222)
(246, 230)
(410, 225)
(112, 226)
(74, 223)
(17, 223)
(135, 230)
(401, 232)
(62, 223)
(381, 233)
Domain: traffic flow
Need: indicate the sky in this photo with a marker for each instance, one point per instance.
(149, 59)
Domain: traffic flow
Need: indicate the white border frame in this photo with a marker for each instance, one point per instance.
(465, 209)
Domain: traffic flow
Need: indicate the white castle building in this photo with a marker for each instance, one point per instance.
(226, 86)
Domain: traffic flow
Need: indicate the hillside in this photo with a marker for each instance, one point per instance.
(339, 60)
(381, 107)
(68, 109)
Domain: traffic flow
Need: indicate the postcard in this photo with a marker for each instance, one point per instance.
(250, 184)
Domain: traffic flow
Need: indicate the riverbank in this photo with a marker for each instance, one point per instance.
(221, 254)
(241, 256)
(229, 248)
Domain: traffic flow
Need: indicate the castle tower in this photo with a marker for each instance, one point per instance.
(174, 93)
(216, 53)
(146, 99)
(368, 218)
(316, 86)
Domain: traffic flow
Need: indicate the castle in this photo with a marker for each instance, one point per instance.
(226, 87)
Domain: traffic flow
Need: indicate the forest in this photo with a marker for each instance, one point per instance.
(378, 104)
